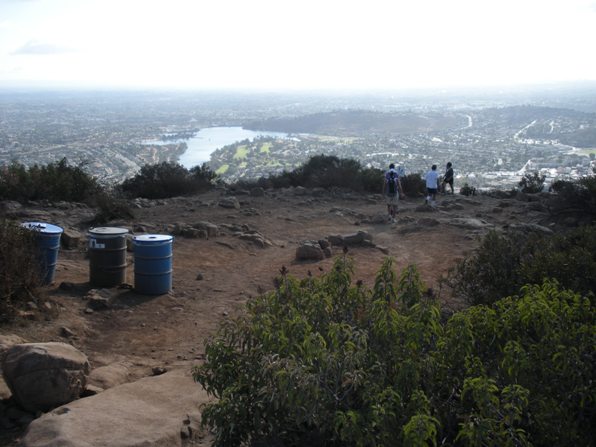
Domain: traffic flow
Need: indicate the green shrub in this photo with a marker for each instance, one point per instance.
(19, 268)
(532, 183)
(168, 180)
(505, 262)
(56, 181)
(325, 171)
(325, 362)
(413, 185)
(574, 197)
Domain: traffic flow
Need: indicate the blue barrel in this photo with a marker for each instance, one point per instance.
(153, 263)
(107, 256)
(47, 241)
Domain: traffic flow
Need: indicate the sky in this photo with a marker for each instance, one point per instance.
(297, 44)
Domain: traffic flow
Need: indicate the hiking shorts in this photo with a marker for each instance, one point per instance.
(392, 200)
(431, 190)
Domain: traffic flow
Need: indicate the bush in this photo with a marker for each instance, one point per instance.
(324, 362)
(168, 180)
(325, 171)
(56, 181)
(503, 263)
(413, 185)
(19, 268)
(576, 197)
(532, 183)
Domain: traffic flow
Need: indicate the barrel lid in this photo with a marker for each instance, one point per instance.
(152, 238)
(107, 231)
(42, 227)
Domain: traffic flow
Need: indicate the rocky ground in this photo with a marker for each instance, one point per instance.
(229, 247)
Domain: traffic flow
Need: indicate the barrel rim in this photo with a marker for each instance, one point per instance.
(43, 227)
(107, 231)
(152, 238)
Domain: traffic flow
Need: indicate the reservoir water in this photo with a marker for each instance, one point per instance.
(206, 141)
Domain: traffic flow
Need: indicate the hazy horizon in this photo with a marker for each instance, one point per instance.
(266, 45)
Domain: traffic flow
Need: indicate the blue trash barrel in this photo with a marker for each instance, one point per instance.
(107, 256)
(47, 240)
(153, 263)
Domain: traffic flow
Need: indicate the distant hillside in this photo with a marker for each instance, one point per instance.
(545, 123)
(359, 122)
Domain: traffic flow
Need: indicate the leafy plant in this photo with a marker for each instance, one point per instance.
(504, 262)
(325, 362)
(19, 268)
(413, 184)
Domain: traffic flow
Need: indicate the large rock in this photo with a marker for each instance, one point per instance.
(154, 411)
(310, 251)
(42, 376)
(211, 229)
(229, 202)
(71, 239)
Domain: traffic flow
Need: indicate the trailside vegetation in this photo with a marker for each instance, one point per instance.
(167, 179)
(329, 362)
(504, 262)
(329, 171)
(20, 273)
(56, 181)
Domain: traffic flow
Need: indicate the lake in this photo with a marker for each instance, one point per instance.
(206, 141)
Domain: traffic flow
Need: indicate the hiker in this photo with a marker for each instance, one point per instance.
(448, 178)
(392, 191)
(432, 185)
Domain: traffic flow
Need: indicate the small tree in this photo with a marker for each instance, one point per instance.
(532, 183)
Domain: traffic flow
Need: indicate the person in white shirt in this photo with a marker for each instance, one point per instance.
(432, 185)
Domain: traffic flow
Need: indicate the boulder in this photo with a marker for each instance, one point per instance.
(71, 239)
(309, 251)
(229, 202)
(43, 376)
(155, 411)
(211, 229)
(359, 238)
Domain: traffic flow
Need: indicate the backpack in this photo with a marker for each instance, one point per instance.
(392, 184)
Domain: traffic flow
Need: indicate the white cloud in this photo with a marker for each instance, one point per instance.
(41, 48)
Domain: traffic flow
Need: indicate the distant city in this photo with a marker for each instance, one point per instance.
(492, 138)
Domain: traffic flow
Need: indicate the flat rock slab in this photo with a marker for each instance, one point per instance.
(154, 411)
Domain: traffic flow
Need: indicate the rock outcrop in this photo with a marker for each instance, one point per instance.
(154, 411)
(42, 376)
